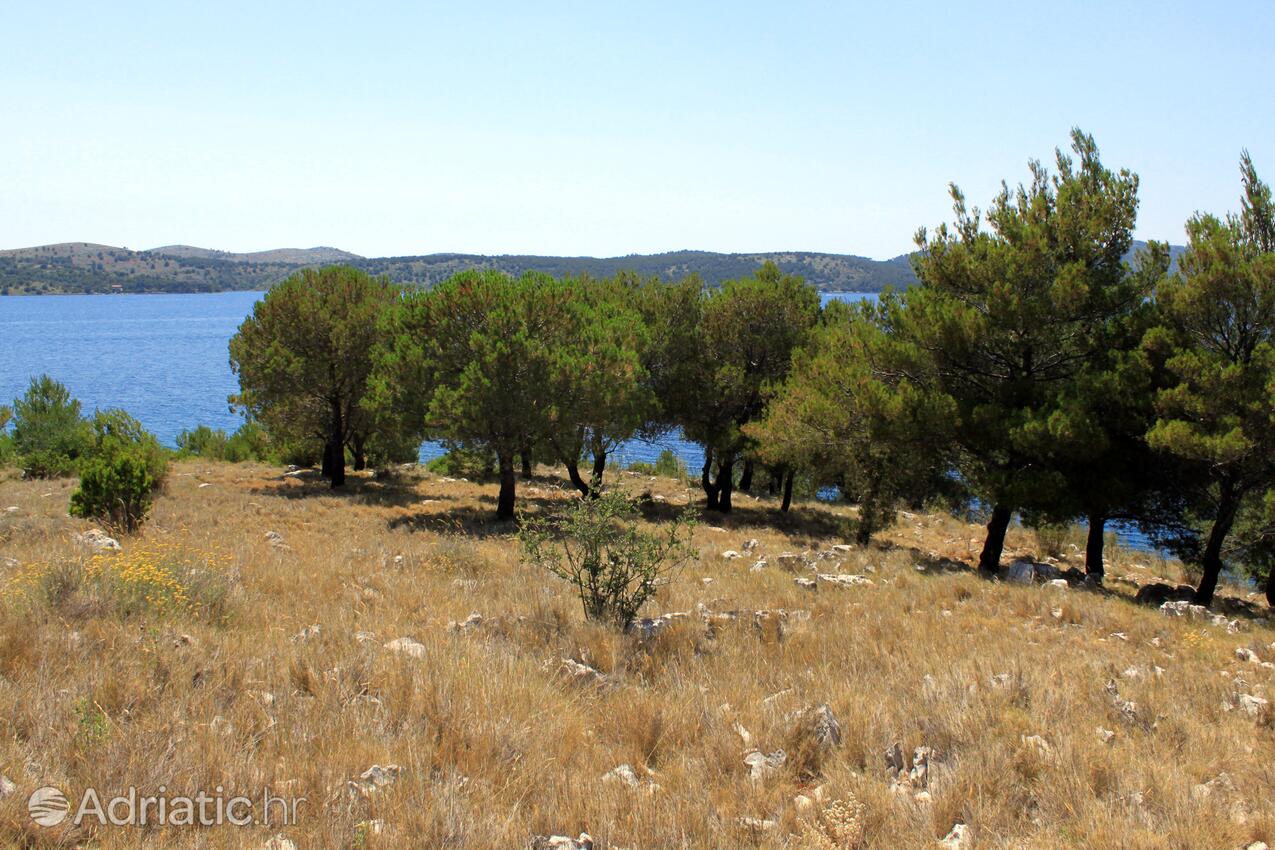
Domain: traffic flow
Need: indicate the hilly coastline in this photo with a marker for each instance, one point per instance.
(85, 267)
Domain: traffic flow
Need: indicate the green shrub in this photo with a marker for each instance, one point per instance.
(249, 443)
(203, 442)
(116, 490)
(49, 434)
(596, 545)
(667, 465)
(461, 462)
(123, 469)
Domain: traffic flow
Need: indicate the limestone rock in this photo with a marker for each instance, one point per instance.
(623, 775)
(275, 539)
(957, 839)
(1252, 705)
(407, 646)
(309, 632)
(1105, 735)
(762, 765)
(279, 843)
(751, 545)
(97, 540)
(731, 554)
(561, 842)
(579, 674)
(819, 726)
(806, 583)
(469, 624)
(7, 787)
(844, 579)
(374, 779)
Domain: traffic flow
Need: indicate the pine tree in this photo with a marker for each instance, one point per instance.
(1218, 342)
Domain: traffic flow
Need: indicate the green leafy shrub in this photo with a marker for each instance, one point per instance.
(462, 462)
(667, 465)
(596, 545)
(49, 434)
(123, 469)
(117, 490)
(249, 442)
(203, 442)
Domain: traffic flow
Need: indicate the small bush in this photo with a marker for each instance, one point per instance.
(1052, 538)
(462, 462)
(116, 490)
(597, 547)
(49, 434)
(250, 442)
(667, 465)
(125, 466)
(203, 442)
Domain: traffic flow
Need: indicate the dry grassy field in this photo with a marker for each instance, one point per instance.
(208, 653)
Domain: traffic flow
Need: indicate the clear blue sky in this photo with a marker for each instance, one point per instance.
(604, 128)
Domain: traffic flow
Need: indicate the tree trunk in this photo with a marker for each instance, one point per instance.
(788, 477)
(573, 472)
(989, 561)
(599, 466)
(1270, 588)
(505, 502)
(746, 478)
(525, 457)
(358, 449)
(326, 469)
(1211, 563)
(336, 446)
(1093, 546)
(706, 480)
(335, 452)
(725, 482)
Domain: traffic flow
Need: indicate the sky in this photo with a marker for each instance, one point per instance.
(604, 129)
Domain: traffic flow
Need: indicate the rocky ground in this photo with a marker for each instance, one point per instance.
(385, 654)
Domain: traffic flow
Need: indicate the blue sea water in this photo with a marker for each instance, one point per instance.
(164, 359)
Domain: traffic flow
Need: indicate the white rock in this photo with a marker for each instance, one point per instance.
(844, 579)
(1252, 705)
(1243, 653)
(311, 631)
(751, 545)
(374, 779)
(578, 673)
(279, 843)
(1058, 584)
(562, 842)
(407, 646)
(97, 540)
(469, 624)
(1039, 746)
(731, 554)
(957, 839)
(806, 583)
(623, 775)
(756, 824)
(1105, 735)
(7, 786)
(762, 764)
(843, 548)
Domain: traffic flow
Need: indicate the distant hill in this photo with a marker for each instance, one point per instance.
(294, 256)
(86, 267)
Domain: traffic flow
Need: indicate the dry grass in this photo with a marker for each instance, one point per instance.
(229, 688)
